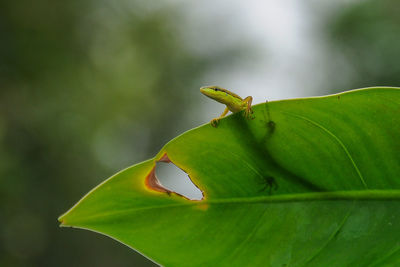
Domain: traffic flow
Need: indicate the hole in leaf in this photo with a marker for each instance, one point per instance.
(176, 180)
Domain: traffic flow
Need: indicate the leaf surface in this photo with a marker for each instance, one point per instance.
(311, 181)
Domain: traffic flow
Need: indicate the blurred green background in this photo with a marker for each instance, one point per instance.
(90, 87)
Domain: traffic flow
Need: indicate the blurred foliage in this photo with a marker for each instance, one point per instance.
(366, 38)
(87, 88)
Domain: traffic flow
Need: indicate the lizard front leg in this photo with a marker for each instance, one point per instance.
(214, 122)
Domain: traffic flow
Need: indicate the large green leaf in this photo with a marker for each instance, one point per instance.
(311, 181)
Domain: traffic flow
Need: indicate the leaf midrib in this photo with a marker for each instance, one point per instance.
(361, 195)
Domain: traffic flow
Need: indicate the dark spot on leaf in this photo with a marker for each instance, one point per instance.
(270, 184)
(271, 126)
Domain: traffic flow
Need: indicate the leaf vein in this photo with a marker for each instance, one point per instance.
(249, 235)
(337, 195)
(330, 239)
(342, 145)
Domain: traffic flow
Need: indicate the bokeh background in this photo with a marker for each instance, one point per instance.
(88, 88)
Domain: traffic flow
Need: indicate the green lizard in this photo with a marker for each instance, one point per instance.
(233, 102)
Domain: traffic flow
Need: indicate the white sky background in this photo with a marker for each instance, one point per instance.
(281, 34)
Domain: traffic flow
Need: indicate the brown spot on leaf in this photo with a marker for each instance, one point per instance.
(164, 158)
(203, 207)
(153, 183)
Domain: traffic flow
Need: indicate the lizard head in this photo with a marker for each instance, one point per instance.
(214, 92)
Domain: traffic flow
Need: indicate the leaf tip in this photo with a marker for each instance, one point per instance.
(61, 220)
